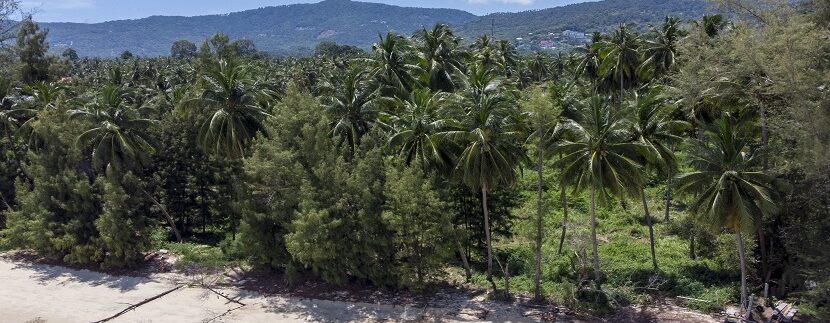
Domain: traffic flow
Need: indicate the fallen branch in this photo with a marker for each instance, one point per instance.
(694, 299)
(226, 313)
(223, 295)
(133, 307)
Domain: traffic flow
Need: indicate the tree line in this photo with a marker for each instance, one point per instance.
(385, 167)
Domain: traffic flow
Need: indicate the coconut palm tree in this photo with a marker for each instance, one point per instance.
(653, 128)
(599, 157)
(420, 126)
(620, 57)
(712, 25)
(231, 98)
(439, 57)
(589, 59)
(352, 105)
(661, 50)
(730, 191)
(391, 65)
(118, 136)
(491, 141)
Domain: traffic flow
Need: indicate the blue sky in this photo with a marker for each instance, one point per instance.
(104, 10)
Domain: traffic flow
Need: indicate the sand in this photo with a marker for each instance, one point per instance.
(42, 293)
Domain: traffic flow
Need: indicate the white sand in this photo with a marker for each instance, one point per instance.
(41, 293)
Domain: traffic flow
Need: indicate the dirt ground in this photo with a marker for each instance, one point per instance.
(34, 292)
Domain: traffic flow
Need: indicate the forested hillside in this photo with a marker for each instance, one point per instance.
(296, 29)
(584, 17)
(284, 29)
(683, 162)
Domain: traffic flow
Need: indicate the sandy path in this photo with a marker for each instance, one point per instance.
(42, 293)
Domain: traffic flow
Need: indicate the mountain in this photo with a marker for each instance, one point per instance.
(272, 28)
(583, 17)
(298, 28)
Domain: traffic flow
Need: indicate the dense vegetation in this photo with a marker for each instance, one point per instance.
(688, 160)
(296, 29)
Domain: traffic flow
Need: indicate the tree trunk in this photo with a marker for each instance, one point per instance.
(692, 254)
(464, 262)
(744, 295)
(594, 243)
(668, 199)
(650, 230)
(762, 244)
(564, 218)
(537, 287)
(488, 241)
(167, 216)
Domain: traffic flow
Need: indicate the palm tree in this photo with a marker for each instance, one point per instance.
(661, 50)
(352, 105)
(228, 93)
(598, 156)
(542, 104)
(654, 129)
(392, 67)
(620, 57)
(118, 138)
(491, 142)
(440, 57)
(420, 126)
(728, 187)
(589, 59)
(712, 25)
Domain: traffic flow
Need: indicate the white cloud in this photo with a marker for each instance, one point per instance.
(521, 2)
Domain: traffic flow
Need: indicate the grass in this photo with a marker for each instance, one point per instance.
(624, 255)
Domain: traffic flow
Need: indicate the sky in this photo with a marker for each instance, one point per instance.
(91, 11)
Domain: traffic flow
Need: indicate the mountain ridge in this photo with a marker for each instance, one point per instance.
(297, 28)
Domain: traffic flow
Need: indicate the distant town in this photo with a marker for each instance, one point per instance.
(553, 42)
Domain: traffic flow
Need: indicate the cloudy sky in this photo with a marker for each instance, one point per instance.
(104, 10)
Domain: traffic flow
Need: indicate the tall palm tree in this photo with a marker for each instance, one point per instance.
(730, 190)
(491, 142)
(352, 105)
(620, 56)
(543, 104)
(589, 59)
(598, 156)
(392, 59)
(118, 138)
(440, 57)
(654, 128)
(232, 99)
(661, 49)
(118, 135)
(420, 126)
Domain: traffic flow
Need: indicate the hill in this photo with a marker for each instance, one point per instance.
(586, 17)
(271, 28)
(298, 28)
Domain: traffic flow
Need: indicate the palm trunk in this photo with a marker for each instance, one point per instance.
(537, 288)
(762, 244)
(594, 244)
(692, 253)
(488, 243)
(744, 296)
(668, 199)
(167, 216)
(564, 198)
(467, 272)
(650, 230)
